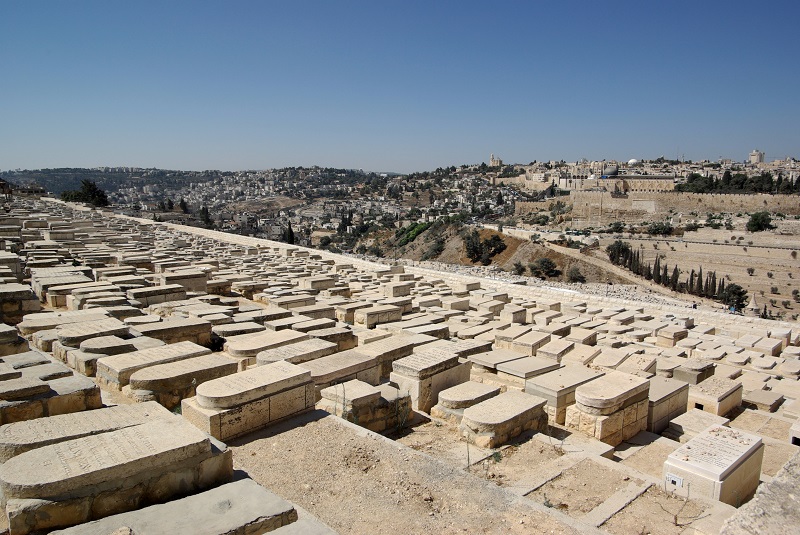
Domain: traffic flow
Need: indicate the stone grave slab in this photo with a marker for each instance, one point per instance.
(499, 419)
(99, 475)
(169, 383)
(720, 463)
(238, 404)
(19, 437)
(115, 370)
(239, 507)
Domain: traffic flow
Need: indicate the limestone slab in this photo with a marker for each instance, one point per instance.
(67, 468)
(250, 385)
(19, 437)
(242, 507)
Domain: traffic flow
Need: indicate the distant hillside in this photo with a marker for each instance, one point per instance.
(445, 243)
(108, 179)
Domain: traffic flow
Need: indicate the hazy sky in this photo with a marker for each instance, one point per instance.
(393, 86)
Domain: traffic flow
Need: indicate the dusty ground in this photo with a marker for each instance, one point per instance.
(650, 459)
(581, 488)
(654, 512)
(358, 483)
(517, 465)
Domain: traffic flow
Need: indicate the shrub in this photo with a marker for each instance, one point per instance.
(574, 275)
(769, 274)
(760, 221)
(519, 269)
(750, 271)
(659, 229)
(773, 289)
(786, 303)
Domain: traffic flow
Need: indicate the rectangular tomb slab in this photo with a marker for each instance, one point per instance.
(667, 400)
(19, 437)
(612, 392)
(297, 353)
(250, 345)
(249, 385)
(527, 367)
(497, 420)
(239, 507)
(425, 362)
(75, 467)
(116, 370)
(238, 404)
(720, 463)
(73, 334)
(556, 386)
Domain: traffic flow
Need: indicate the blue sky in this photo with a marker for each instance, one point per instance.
(393, 86)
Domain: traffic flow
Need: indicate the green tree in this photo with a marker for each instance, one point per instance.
(734, 296)
(89, 193)
(760, 221)
(170, 204)
(619, 252)
(574, 275)
(183, 206)
(659, 229)
(547, 267)
(288, 234)
(205, 217)
(519, 269)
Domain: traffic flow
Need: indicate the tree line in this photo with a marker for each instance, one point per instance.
(621, 254)
(739, 183)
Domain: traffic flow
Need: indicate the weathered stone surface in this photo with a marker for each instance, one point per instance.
(242, 507)
(250, 345)
(495, 421)
(74, 467)
(425, 362)
(22, 388)
(466, 395)
(182, 374)
(250, 385)
(73, 334)
(297, 353)
(19, 437)
(116, 370)
(770, 511)
(340, 366)
(612, 391)
(50, 320)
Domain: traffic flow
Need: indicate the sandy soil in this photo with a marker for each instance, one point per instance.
(581, 488)
(357, 482)
(654, 513)
(650, 459)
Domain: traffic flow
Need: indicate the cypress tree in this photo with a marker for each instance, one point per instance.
(699, 286)
(674, 280)
(657, 271)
